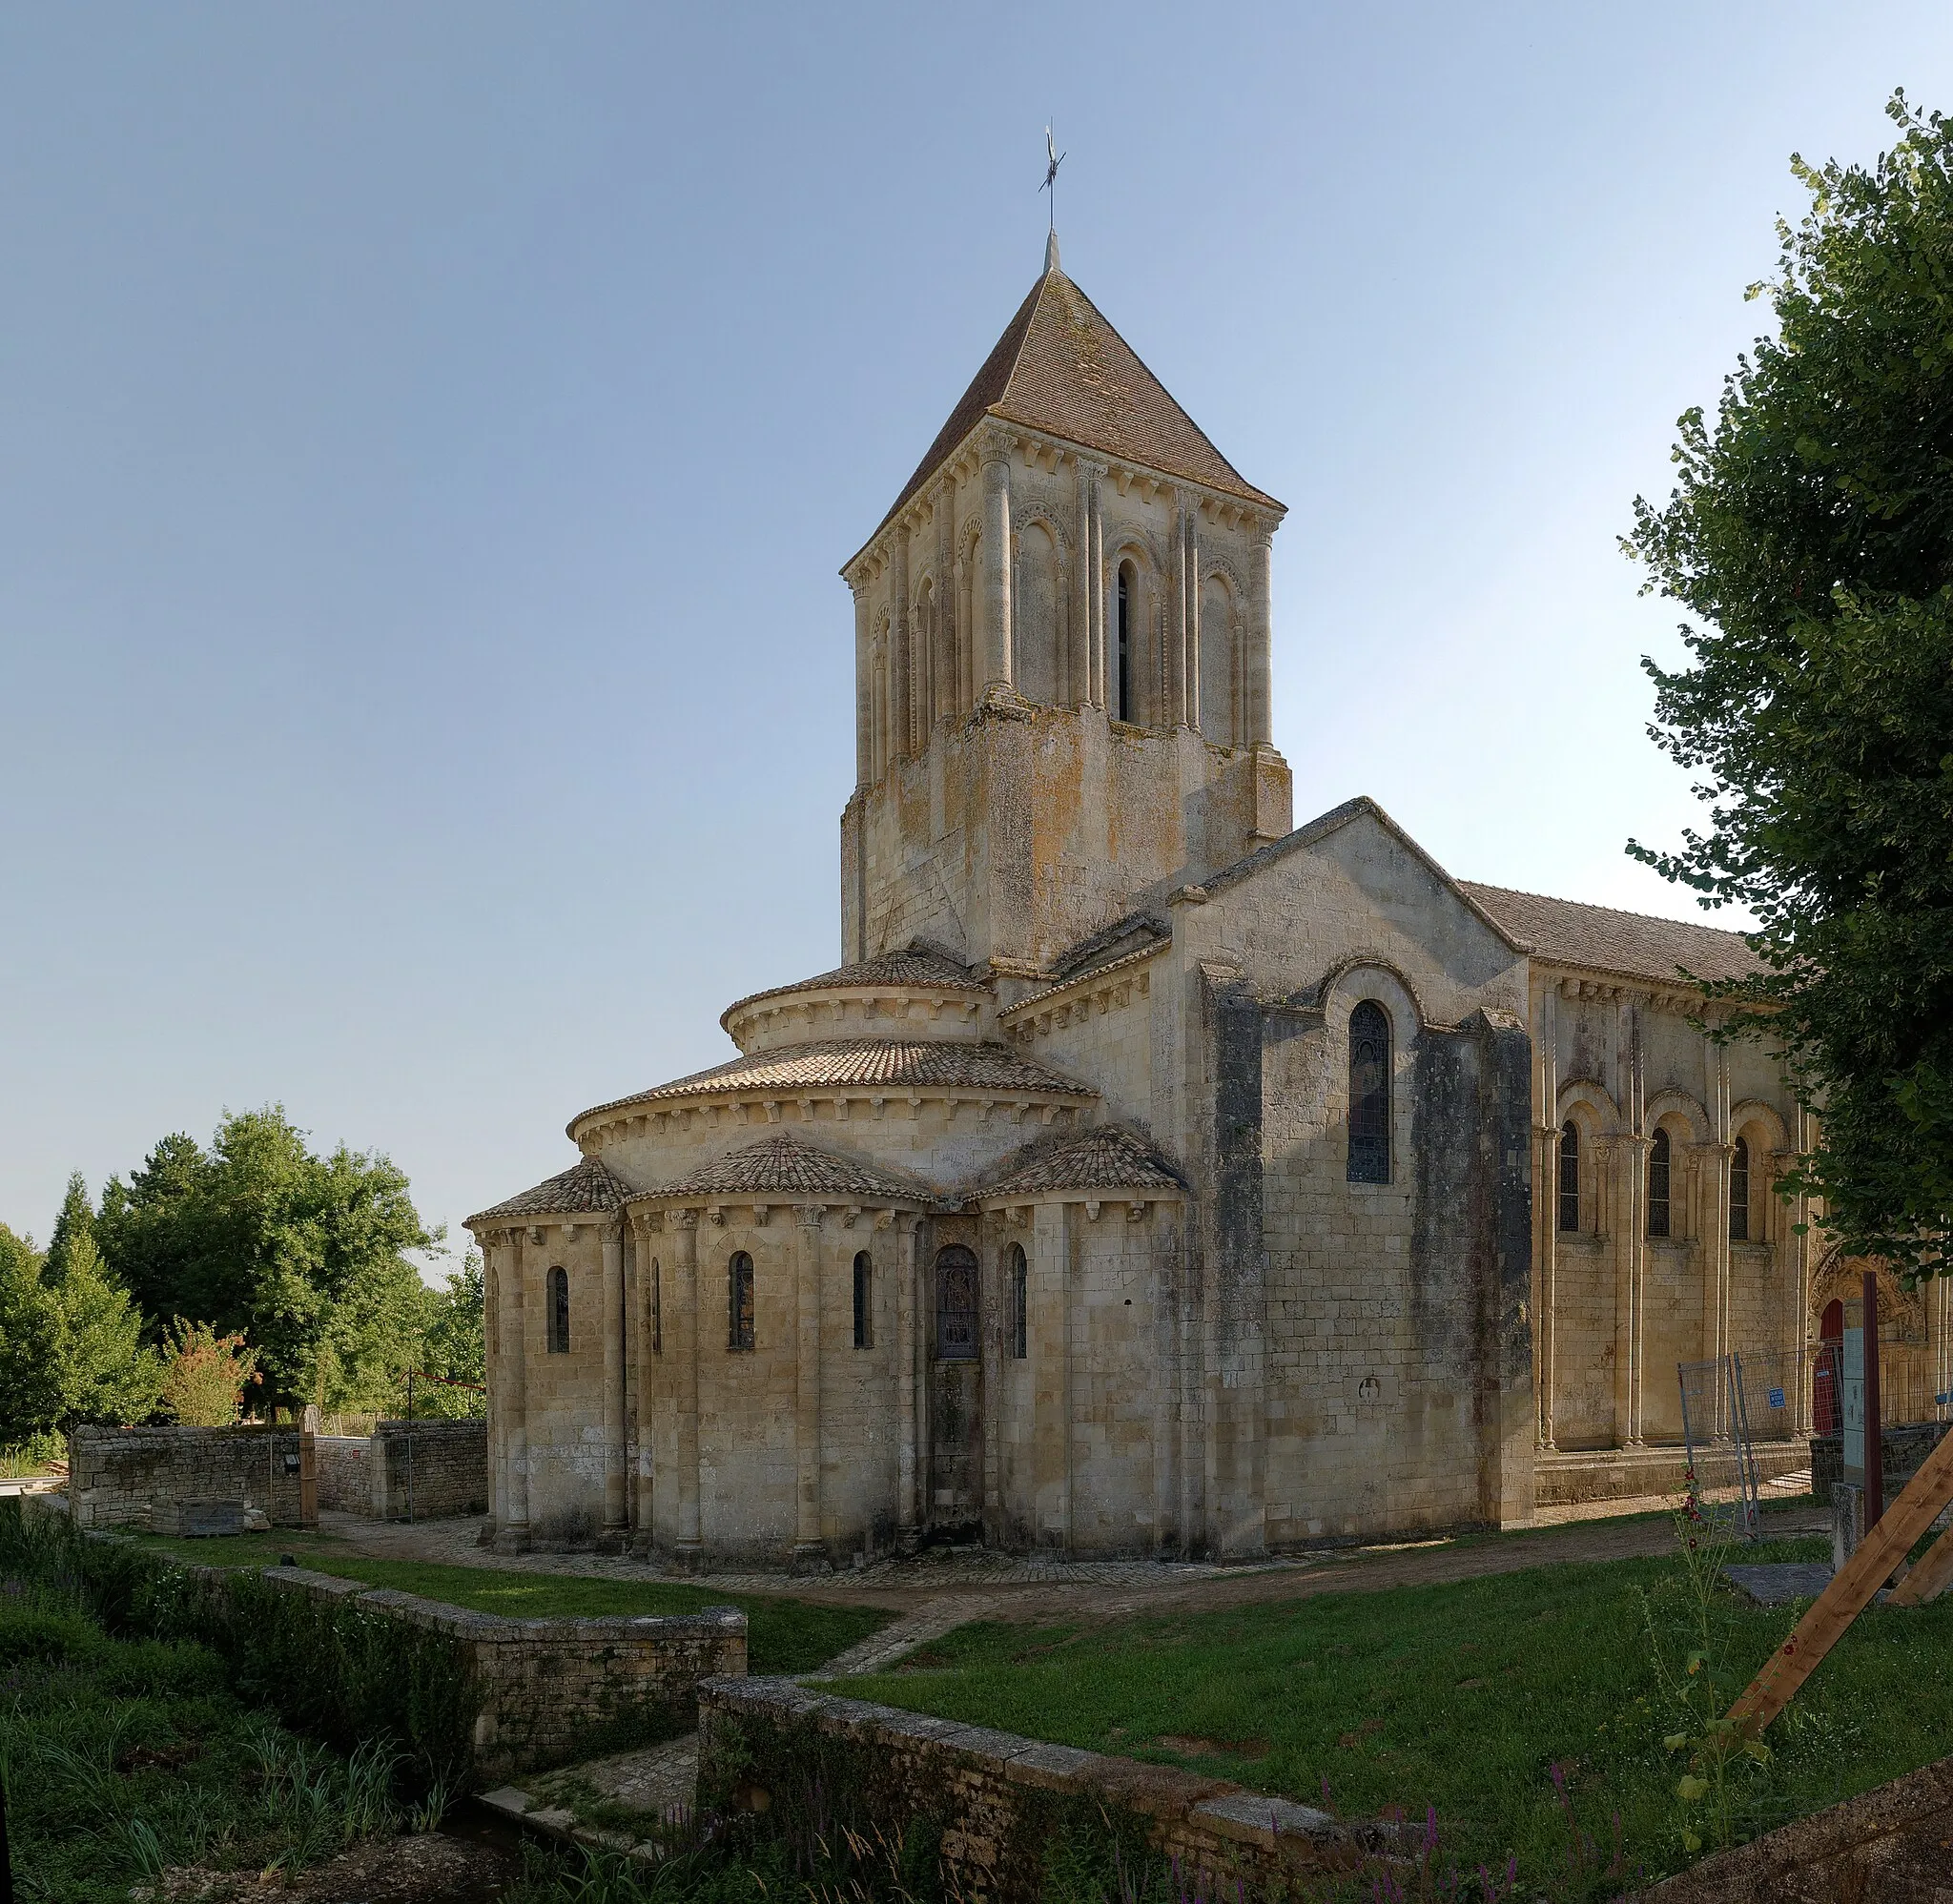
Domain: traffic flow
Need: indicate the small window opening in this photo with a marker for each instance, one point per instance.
(559, 1312)
(1123, 699)
(657, 1311)
(1369, 1093)
(1570, 1176)
(864, 1305)
(1020, 1302)
(1659, 1159)
(1740, 1193)
(739, 1330)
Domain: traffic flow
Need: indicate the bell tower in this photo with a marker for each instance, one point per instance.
(1061, 640)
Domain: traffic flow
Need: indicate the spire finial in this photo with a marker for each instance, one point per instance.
(1052, 159)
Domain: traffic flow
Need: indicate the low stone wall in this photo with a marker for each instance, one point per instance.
(345, 1473)
(1888, 1845)
(116, 1476)
(553, 1691)
(427, 1469)
(1614, 1474)
(762, 1742)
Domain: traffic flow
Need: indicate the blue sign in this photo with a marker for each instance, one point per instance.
(1777, 1398)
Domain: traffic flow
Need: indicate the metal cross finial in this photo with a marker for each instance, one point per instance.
(1052, 159)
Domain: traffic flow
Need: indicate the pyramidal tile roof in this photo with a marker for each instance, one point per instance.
(914, 965)
(589, 1185)
(784, 1166)
(893, 1064)
(1635, 944)
(1102, 1159)
(1060, 367)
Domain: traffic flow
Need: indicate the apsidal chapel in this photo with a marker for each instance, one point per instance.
(1153, 1176)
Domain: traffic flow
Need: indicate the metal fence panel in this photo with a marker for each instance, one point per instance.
(1715, 1430)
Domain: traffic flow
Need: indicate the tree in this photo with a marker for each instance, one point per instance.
(27, 1396)
(452, 1348)
(77, 1220)
(103, 1369)
(205, 1375)
(1811, 533)
(302, 1254)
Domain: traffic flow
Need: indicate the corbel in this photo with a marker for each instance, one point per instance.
(762, 1215)
(772, 1110)
(1091, 1209)
(716, 1215)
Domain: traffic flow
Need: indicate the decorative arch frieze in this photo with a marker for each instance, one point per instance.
(1752, 1113)
(1588, 1102)
(1673, 1104)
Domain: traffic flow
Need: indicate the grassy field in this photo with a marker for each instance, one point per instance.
(783, 1635)
(1463, 1697)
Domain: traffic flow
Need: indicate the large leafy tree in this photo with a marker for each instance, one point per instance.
(301, 1254)
(1810, 536)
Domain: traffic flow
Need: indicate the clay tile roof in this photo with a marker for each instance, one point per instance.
(915, 965)
(1062, 368)
(783, 1166)
(1632, 945)
(588, 1185)
(894, 1064)
(1104, 1158)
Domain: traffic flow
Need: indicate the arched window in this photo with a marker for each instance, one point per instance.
(739, 1334)
(1570, 1176)
(864, 1300)
(657, 1311)
(1740, 1193)
(1021, 1300)
(559, 1312)
(1659, 1159)
(955, 1304)
(1122, 651)
(1369, 1093)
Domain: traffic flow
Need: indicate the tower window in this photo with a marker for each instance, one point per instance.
(739, 1331)
(955, 1304)
(559, 1312)
(1659, 1159)
(1740, 1193)
(864, 1305)
(1123, 679)
(1020, 1302)
(1570, 1176)
(1369, 1093)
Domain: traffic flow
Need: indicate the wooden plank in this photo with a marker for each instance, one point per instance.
(1929, 1576)
(1850, 1592)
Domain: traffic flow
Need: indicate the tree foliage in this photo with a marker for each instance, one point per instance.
(1810, 534)
(205, 1375)
(302, 1254)
(452, 1346)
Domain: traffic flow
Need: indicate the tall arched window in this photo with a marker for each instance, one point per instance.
(864, 1300)
(1021, 1300)
(955, 1304)
(1659, 1159)
(1123, 648)
(559, 1312)
(739, 1330)
(1740, 1193)
(1570, 1176)
(1369, 1093)
(657, 1311)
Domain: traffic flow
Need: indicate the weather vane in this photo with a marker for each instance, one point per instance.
(1052, 159)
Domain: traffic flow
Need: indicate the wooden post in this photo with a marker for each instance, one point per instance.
(1930, 1575)
(1850, 1592)
(1874, 1427)
(308, 1467)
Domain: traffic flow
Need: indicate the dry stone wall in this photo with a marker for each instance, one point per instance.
(116, 1477)
(427, 1469)
(346, 1476)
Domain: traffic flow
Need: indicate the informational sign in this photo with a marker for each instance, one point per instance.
(1851, 1386)
(1777, 1398)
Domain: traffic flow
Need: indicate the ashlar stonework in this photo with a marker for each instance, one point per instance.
(1153, 1176)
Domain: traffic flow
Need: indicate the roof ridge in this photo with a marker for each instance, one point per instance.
(1594, 905)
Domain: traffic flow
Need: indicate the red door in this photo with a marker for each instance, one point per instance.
(1826, 1415)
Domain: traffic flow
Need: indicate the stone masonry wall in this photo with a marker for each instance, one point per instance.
(553, 1690)
(763, 1741)
(346, 1476)
(427, 1469)
(116, 1476)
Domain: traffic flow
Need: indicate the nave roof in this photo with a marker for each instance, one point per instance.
(1633, 945)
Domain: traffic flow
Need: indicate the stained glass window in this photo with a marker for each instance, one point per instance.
(559, 1312)
(864, 1305)
(1740, 1193)
(739, 1332)
(1570, 1176)
(1659, 1159)
(1369, 1093)
(1020, 1302)
(955, 1304)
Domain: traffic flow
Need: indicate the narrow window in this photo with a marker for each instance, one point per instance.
(739, 1302)
(559, 1312)
(1657, 1185)
(1020, 1302)
(1570, 1176)
(1740, 1193)
(1369, 1093)
(863, 1306)
(1122, 696)
(657, 1311)
(955, 1304)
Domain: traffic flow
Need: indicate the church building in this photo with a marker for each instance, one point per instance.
(1153, 1176)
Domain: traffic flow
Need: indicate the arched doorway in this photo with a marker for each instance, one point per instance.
(1826, 1413)
(955, 1415)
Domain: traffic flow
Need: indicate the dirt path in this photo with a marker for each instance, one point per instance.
(991, 1587)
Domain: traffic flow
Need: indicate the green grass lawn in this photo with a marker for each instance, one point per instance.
(1463, 1697)
(782, 1636)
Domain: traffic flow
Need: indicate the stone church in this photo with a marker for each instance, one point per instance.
(1154, 1176)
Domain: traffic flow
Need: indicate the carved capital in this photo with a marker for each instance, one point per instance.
(809, 1215)
(681, 1220)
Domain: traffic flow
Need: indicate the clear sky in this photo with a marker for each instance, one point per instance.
(428, 436)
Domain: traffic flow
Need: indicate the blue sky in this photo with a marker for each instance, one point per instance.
(431, 434)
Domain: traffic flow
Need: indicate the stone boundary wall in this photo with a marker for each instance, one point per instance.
(1888, 1845)
(116, 1476)
(439, 1468)
(345, 1473)
(994, 1791)
(553, 1690)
